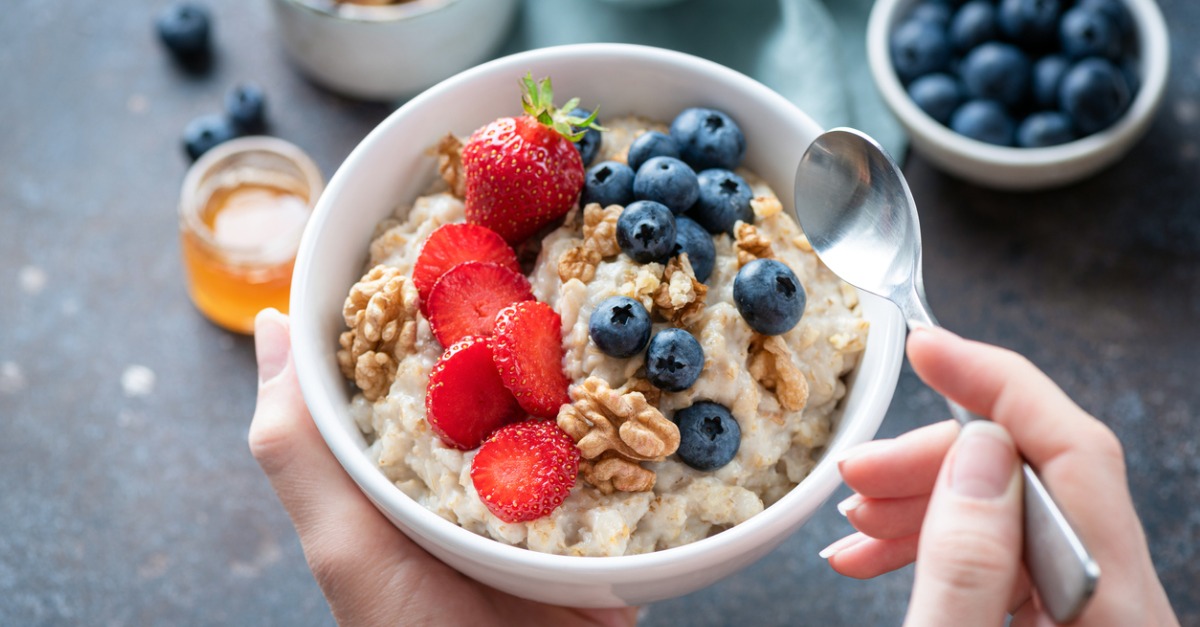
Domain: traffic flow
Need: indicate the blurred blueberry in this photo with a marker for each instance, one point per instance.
(724, 199)
(649, 145)
(1094, 93)
(919, 47)
(983, 120)
(996, 71)
(589, 145)
(246, 106)
(607, 183)
(1045, 128)
(691, 238)
(973, 24)
(708, 138)
(1031, 24)
(1116, 11)
(666, 180)
(1087, 33)
(937, 94)
(1047, 75)
(185, 29)
(205, 132)
(932, 11)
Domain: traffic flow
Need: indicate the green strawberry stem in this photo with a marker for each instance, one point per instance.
(537, 98)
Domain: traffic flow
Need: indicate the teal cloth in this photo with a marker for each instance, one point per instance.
(811, 52)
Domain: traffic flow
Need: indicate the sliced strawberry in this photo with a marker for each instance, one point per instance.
(525, 470)
(451, 244)
(527, 347)
(465, 400)
(465, 300)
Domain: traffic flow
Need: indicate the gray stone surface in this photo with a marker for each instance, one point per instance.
(129, 496)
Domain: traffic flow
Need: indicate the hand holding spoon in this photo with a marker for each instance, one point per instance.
(856, 209)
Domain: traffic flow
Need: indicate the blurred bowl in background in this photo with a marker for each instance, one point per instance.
(388, 52)
(1022, 169)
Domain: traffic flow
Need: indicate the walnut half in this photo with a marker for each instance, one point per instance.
(609, 425)
(382, 320)
(770, 363)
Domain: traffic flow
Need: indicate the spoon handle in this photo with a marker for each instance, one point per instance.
(1062, 570)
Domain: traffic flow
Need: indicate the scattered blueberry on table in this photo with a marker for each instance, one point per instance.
(1026, 73)
(184, 28)
(246, 106)
(205, 132)
(709, 436)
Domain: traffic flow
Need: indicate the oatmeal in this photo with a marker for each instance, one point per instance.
(633, 493)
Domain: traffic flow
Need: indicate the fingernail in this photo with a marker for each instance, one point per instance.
(841, 545)
(860, 450)
(850, 504)
(984, 460)
(271, 344)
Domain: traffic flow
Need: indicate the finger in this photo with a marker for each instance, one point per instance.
(969, 553)
(330, 513)
(901, 467)
(861, 557)
(885, 519)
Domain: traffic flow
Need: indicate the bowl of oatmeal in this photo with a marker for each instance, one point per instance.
(638, 523)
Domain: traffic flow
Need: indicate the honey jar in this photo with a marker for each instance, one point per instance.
(242, 211)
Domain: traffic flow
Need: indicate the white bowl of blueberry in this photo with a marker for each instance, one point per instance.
(1020, 94)
(571, 379)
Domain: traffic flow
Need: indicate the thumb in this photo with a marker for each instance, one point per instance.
(969, 553)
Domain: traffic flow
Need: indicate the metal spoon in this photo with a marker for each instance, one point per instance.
(855, 206)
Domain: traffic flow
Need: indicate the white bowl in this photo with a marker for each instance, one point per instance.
(1027, 169)
(392, 166)
(388, 52)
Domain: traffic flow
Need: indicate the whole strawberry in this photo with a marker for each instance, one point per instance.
(523, 173)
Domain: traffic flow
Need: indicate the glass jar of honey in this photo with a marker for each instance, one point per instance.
(242, 210)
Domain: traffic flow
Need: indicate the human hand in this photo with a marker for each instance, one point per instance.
(952, 501)
(370, 572)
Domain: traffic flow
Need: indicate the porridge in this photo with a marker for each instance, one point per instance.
(682, 397)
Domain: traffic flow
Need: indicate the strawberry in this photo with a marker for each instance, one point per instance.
(465, 400)
(523, 173)
(528, 351)
(465, 300)
(452, 244)
(525, 470)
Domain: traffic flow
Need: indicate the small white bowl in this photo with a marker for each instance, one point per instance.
(392, 166)
(391, 51)
(1024, 169)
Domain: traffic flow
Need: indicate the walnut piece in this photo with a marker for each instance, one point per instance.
(680, 297)
(611, 472)
(765, 206)
(449, 154)
(381, 315)
(599, 241)
(770, 363)
(578, 263)
(609, 424)
(750, 244)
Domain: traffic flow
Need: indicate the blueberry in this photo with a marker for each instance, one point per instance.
(646, 231)
(590, 144)
(649, 145)
(1116, 11)
(667, 180)
(1047, 75)
(1032, 24)
(246, 106)
(937, 94)
(919, 47)
(1045, 128)
(769, 296)
(933, 11)
(973, 24)
(205, 132)
(996, 71)
(691, 238)
(983, 120)
(674, 360)
(184, 27)
(1094, 93)
(608, 183)
(1086, 33)
(709, 436)
(724, 199)
(708, 138)
(620, 326)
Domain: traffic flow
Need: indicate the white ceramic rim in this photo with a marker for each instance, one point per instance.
(372, 14)
(1154, 57)
(818, 485)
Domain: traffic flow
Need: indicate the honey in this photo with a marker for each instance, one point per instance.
(241, 217)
